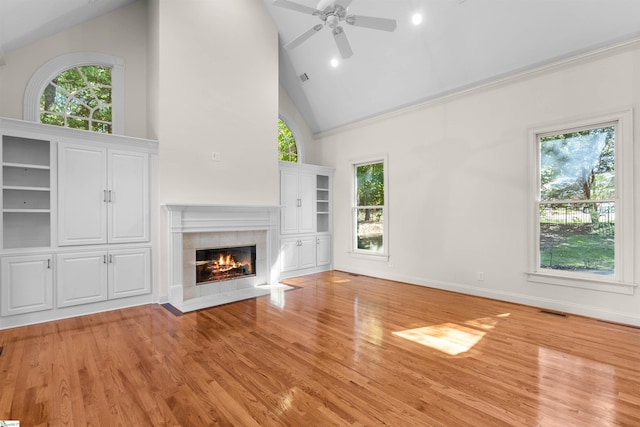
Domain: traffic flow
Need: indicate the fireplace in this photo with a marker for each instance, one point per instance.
(205, 227)
(215, 264)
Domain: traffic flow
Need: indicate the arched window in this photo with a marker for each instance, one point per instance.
(79, 98)
(79, 90)
(287, 147)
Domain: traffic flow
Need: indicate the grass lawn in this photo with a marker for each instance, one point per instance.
(577, 247)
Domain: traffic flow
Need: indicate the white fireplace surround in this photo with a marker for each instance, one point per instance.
(192, 226)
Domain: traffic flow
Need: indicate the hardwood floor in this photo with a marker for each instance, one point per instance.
(340, 350)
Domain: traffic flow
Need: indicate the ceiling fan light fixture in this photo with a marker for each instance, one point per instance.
(332, 13)
(416, 19)
(334, 62)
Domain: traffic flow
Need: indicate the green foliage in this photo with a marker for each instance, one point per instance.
(370, 184)
(287, 148)
(79, 98)
(578, 165)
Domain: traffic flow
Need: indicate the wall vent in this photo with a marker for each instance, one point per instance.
(304, 77)
(555, 313)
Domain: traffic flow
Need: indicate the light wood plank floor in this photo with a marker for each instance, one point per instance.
(340, 350)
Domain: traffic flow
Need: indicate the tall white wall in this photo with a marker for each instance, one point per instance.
(458, 178)
(121, 33)
(217, 91)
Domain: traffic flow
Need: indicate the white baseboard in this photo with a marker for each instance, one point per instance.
(547, 303)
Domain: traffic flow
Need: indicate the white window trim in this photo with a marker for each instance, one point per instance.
(361, 253)
(623, 280)
(51, 69)
(297, 135)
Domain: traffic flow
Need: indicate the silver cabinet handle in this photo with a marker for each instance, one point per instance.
(104, 259)
(49, 263)
(104, 197)
(111, 194)
(110, 259)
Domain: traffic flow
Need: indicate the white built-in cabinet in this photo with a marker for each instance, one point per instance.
(117, 273)
(296, 199)
(103, 195)
(76, 226)
(27, 284)
(305, 218)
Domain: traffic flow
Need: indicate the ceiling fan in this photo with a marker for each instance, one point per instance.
(332, 13)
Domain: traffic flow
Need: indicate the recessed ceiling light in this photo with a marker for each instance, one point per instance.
(416, 19)
(334, 62)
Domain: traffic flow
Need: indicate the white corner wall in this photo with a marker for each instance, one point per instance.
(458, 177)
(301, 131)
(121, 33)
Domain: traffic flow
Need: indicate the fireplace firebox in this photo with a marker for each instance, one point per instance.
(216, 264)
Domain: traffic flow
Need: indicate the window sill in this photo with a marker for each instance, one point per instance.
(370, 256)
(583, 283)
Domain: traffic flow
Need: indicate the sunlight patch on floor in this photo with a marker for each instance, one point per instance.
(451, 338)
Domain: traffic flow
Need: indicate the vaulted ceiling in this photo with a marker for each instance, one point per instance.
(458, 45)
(26, 21)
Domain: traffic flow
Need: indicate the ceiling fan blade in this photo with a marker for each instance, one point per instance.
(343, 43)
(371, 22)
(302, 37)
(295, 6)
(344, 3)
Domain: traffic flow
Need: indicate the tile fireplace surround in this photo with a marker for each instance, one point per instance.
(193, 226)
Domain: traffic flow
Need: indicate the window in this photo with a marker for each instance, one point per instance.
(582, 202)
(82, 90)
(287, 147)
(79, 98)
(369, 212)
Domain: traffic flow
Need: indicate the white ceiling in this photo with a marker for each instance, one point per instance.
(460, 44)
(25, 21)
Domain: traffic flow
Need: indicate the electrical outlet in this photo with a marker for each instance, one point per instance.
(215, 156)
(480, 276)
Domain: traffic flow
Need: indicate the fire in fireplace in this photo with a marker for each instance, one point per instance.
(214, 264)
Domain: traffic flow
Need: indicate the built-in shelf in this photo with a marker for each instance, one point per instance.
(26, 192)
(322, 203)
(25, 166)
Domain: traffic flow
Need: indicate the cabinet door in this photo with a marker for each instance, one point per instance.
(288, 255)
(27, 284)
(323, 253)
(306, 211)
(81, 278)
(289, 202)
(297, 197)
(82, 195)
(307, 252)
(129, 272)
(128, 197)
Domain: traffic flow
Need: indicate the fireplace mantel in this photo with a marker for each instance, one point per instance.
(184, 219)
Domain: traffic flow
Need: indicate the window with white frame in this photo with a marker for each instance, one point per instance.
(583, 208)
(369, 211)
(287, 147)
(83, 90)
(79, 98)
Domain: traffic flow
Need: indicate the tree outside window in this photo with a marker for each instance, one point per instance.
(79, 98)
(577, 200)
(369, 209)
(287, 148)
